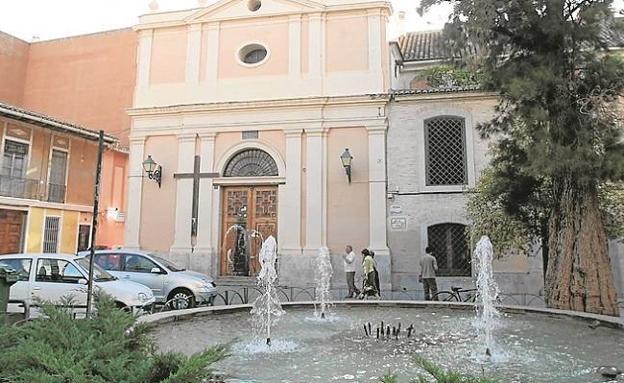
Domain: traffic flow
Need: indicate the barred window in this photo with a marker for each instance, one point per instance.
(449, 245)
(51, 234)
(251, 163)
(445, 147)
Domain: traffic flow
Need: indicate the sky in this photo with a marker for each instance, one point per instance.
(49, 19)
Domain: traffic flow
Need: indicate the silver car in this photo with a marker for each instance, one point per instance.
(167, 280)
(50, 277)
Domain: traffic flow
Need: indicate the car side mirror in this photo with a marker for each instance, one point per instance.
(156, 270)
(82, 281)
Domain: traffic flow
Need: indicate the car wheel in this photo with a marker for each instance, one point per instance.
(181, 299)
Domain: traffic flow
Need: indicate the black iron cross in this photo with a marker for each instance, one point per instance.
(196, 176)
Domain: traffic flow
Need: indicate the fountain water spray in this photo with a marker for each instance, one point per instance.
(322, 276)
(267, 309)
(487, 292)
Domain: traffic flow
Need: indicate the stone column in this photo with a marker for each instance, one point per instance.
(135, 192)
(184, 194)
(290, 196)
(193, 53)
(315, 190)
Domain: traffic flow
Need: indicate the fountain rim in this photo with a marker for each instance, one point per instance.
(179, 315)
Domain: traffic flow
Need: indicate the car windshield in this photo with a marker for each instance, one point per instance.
(170, 265)
(99, 274)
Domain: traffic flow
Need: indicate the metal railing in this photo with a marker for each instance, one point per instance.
(18, 187)
(56, 193)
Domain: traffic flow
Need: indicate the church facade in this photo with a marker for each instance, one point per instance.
(248, 107)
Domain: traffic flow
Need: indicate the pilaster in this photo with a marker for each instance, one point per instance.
(184, 193)
(315, 189)
(294, 47)
(205, 242)
(212, 58)
(135, 192)
(145, 58)
(290, 196)
(375, 65)
(193, 53)
(377, 188)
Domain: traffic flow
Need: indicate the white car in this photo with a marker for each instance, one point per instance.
(50, 277)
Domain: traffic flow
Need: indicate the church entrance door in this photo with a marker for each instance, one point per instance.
(249, 215)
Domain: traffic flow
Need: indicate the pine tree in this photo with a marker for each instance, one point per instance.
(557, 126)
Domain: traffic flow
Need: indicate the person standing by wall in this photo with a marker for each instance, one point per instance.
(428, 268)
(350, 266)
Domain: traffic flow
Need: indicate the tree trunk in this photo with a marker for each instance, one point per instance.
(579, 275)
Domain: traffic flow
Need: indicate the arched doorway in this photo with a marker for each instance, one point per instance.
(249, 211)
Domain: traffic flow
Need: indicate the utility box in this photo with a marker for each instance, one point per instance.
(8, 277)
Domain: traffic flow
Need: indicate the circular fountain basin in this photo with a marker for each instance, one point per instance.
(532, 345)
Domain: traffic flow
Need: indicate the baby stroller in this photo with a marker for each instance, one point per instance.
(369, 288)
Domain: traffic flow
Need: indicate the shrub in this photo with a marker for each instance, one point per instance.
(60, 349)
(439, 375)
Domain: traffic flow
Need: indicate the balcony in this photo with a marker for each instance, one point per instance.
(56, 193)
(18, 187)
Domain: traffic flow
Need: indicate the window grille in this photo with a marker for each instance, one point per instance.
(250, 135)
(51, 234)
(251, 163)
(445, 146)
(449, 245)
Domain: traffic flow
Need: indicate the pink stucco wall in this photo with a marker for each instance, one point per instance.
(235, 34)
(13, 63)
(158, 205)
(347, 41)
(347, 204)
(168, 63)
(113, 195)
(88, 80)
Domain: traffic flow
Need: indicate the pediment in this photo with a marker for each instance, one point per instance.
(235, 9)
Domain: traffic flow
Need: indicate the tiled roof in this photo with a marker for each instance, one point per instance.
(40, 119)
(431, 45)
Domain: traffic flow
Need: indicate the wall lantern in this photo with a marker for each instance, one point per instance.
(153, 170)
(346, 158)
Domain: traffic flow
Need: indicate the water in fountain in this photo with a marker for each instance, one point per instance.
(487, 292)
(267, 308)
(322, 276)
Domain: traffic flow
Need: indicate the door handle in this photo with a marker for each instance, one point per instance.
(36, 288)
(126, 277)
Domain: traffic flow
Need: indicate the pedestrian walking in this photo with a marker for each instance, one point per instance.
(428, 268)
(350, 266)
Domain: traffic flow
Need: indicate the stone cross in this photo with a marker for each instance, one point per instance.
(196, 176)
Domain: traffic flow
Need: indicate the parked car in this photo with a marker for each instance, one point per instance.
(167, 280)
(50, 277)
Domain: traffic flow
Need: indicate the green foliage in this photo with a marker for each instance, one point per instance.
(446, 76)
(60, 349)
(438, 375)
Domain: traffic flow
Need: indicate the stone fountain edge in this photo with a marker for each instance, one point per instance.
(179, 315)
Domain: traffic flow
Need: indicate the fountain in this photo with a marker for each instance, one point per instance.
(487, 293)
(267, 308)
(322, 276)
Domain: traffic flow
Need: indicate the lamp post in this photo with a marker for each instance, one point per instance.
(346, 159)
(153, 170)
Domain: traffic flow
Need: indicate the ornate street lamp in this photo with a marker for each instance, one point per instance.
(153, 170)
(346, 159)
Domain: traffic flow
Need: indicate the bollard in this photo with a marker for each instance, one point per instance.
(8, 277)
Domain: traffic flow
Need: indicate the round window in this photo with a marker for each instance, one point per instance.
(252, 54)
(254, 5)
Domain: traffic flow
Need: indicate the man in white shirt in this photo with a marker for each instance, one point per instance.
(350, 265)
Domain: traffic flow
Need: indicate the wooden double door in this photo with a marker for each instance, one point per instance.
(12, 231)
(249, 215)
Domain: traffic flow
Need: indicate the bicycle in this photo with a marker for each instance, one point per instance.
(455, 295)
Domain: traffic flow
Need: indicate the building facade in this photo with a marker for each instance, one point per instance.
(267, 96)
(46, 183)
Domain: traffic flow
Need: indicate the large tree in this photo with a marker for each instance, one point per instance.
(556, 128)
